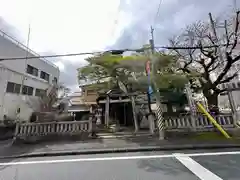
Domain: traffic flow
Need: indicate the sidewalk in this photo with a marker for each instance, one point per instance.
(111, 145)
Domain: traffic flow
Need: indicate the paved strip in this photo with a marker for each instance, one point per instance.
(117, 158)
(139, 169)
(196, 168)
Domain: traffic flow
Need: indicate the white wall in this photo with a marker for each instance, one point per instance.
(9, 102)
(16, 77)
(15, 71)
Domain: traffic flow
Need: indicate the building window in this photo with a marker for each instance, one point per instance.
(238, 84)
(44, 76)
(32, 70)
(27, 90)
(39, 92)
(13, 87)
(54, 81)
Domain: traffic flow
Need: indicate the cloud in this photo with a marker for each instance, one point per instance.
(11, 30)
(68, 67)
(73, 26)
(60, 65)
(173, 16)
(66, 26)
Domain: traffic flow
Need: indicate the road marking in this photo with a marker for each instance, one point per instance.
(196, 168)
(85, 160)
(116, 158)
(212, 153)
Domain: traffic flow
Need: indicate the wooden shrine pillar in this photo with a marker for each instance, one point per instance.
(134, 114)
(90, 120)
(107, 105)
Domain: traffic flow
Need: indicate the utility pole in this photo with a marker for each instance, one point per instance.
(25, 62)
(215, 36)
(150, 117)
(159, 113)
(235, 6)
(148, 90)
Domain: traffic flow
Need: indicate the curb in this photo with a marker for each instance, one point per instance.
(106, 136)
(124, 150)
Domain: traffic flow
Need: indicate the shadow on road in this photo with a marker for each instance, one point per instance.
(8, 148)
(167, 166)
(225, 166)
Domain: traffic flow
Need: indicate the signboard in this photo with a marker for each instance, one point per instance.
(148, 66)
(148, 70)
(150, 90)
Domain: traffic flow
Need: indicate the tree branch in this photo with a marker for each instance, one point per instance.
(206, 73)
(213, 43)
(229, 78)
(209, 62)
(209, 54)
(225, 70)
(222, 90)
(235, 32)
(236, 59)
(214, 67)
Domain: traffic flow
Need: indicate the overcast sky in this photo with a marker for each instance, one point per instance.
(71, 26)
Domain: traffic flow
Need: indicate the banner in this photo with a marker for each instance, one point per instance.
(148, 71)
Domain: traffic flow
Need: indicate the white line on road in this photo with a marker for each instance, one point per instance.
(85, 160)
(196, 168)
(116, 158)
(212, 153)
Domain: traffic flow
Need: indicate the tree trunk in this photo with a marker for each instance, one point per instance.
(169, 109)
(212, 100)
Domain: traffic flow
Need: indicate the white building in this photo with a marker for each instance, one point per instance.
(36, 75)
(234, 84)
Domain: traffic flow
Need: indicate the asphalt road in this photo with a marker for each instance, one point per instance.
(187, 165)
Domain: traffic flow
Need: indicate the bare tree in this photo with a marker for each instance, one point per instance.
(212, 64)
(63, 90)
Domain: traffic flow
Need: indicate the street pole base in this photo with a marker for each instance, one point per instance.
(151, 123)
(161, 135)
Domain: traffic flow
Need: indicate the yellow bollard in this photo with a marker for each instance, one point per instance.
(213, 120)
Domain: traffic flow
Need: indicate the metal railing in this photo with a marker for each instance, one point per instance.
(52, 128)
(19, 44)
(202, 122)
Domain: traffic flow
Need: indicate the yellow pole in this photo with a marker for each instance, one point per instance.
(213, 120)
